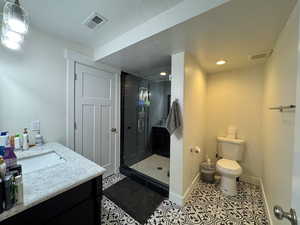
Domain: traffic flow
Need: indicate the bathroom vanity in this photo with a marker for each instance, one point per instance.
(60, 188)
(160, 140)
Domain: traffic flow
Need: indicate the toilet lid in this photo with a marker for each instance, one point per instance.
(229, 165)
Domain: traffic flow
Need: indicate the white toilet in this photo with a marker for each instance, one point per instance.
(231, 151)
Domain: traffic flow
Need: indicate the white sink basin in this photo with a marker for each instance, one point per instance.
(39, 162)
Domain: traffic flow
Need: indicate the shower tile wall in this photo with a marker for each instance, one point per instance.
(135, 141)
(159, 101)
(137, 135)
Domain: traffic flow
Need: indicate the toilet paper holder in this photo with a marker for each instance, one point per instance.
(281, 108)
(197, 150)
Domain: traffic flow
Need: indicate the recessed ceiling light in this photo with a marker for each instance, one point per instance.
(163, 73)
(221, 62)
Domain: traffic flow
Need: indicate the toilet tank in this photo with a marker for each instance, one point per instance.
(230, 148)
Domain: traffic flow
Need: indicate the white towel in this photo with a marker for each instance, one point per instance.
(174, 118)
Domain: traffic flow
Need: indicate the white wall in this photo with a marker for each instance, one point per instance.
(278, 128)
(296, 169)
(33, 85)
(189, 87)
(194, 118)
(235, 98)
(176, 146)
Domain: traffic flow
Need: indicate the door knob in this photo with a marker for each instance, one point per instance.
(291, 216)
(114, 130)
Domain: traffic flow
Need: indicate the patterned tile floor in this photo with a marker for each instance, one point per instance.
(205, 206)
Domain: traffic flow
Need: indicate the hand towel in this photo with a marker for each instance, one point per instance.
(174, 118)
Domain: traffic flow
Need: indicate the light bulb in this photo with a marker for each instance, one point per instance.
(11, 44)
(17, 26)
(13, 36)
(15, 17)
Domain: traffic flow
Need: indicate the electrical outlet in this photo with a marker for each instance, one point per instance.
(35, 125)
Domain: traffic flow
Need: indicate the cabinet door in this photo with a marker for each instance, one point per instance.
(83, 214)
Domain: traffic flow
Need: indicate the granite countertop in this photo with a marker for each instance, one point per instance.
(43, 184)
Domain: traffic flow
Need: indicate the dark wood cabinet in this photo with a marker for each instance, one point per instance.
(160, 141)
(79, 215)
(80, 205)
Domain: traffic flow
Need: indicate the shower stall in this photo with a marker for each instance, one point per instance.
(145, 141)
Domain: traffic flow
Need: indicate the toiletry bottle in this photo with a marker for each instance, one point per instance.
(39, 139)
(11, 141)
(25, 140)
(16, 170)
(2, 167)
(9, 157)
(19, 190)
(17, 142)
(9, 194)
(2, 150)
(1, 196)
(4, 139)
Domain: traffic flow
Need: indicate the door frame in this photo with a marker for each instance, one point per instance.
(72, 58)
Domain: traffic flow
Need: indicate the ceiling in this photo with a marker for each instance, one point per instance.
(64, 18)
(232, 31)
(154, 73)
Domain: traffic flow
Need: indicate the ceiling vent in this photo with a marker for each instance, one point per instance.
(261, 55)
(94, 21)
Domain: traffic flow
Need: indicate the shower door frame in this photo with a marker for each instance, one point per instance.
(125, 169)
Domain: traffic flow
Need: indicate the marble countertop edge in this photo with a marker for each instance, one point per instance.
(41, 185)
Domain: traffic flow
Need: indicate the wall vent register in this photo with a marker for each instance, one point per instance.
(94, 21)
(261, 55)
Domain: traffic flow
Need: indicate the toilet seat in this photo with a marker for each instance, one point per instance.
(229, 167)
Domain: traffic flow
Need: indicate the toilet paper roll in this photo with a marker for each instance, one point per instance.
(232, 132)
(197, 150)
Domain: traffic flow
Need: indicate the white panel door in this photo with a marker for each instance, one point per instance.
(94, 116)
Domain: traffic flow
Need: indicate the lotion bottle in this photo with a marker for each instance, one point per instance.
(17, 142)
(25, 140)
(19, 196)
(2, 167)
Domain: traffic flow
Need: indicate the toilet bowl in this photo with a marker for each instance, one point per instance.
(229, 171)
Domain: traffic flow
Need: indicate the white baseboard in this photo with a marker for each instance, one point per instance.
(179, 199)
(266, 202)
(190, 188)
